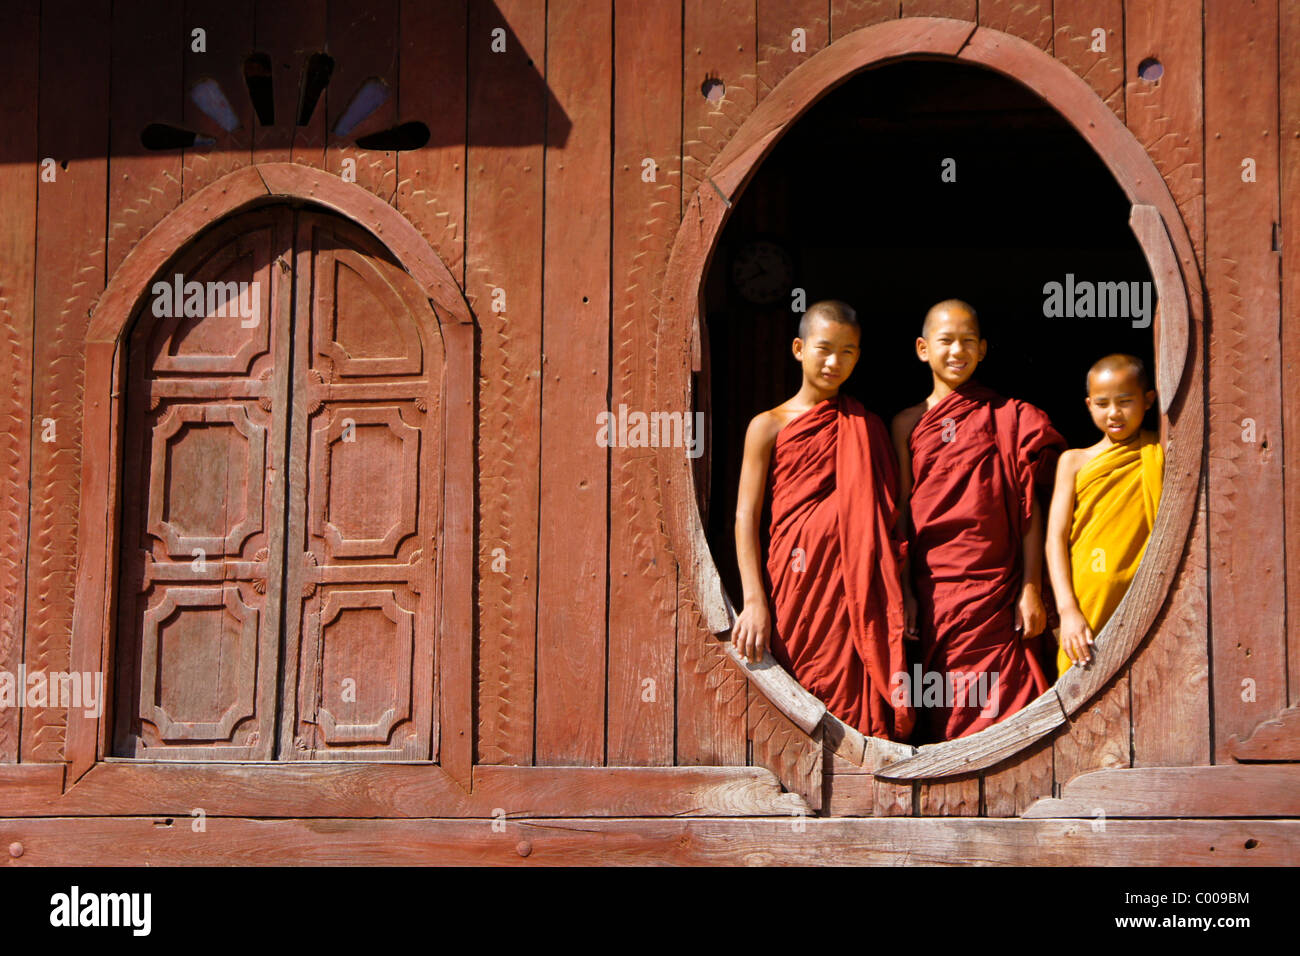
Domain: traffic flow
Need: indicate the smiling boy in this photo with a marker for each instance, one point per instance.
(1104, 506)
(824, 466)
(972, 465)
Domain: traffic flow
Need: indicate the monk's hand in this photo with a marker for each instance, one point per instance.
(1031, 616)
(750, 634)
(1076, 636)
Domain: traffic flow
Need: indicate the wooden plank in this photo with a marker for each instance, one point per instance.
(19, 30)
(70, 260)
(364, 43)
(777, 21)
(718, 40)
(1169, 677)
(574, 495)
(143, 186)
(1246, 449)
(61, 841)
(953, 9)
(1028, 19)
(1271, 790)
(953, 797)
(894, 799)
(1289, 162)
(275, 34)
(1172, 331)
(1098, 59)
(1098, 736)
(229, 26)
(984, 749)
(849, 795)
(431, 180)
(309, 142)
(850, 15)
(642, 575)
(1017, 783)
(786, 750)
(507, 110)
(305, 789)
(1166, 114)
(1276, 739)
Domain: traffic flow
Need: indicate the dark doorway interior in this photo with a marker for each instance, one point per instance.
(854, 201)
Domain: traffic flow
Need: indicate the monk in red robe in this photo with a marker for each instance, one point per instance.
(824, 467)
(973, 465)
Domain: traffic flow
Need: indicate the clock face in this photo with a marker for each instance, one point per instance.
(762, 271)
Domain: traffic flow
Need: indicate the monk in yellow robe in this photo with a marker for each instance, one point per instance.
(1103, 507)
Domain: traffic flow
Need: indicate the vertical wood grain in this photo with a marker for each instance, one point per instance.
(574, 494)
(19, 46)
(1074, 22)
(1246, 574)
(503, 233)
(71, 225)
(1289, 184)
(777, 21)
(642, 569)
(363, 41)
(228, 26)
(431, 181)
(850, 15)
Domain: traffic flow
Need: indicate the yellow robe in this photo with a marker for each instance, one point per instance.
(1115, 499)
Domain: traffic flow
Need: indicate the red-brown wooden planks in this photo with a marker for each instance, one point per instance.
(954, 797)
(1247, 599)
(1289, 161)
(431, 181)
(1028, 19)
(954, 9)
(1018, 782)
(363, 41)
(19, 31)
(777, 41)
(718, 40)
(1098, 735)
(642, 571)
(850, 15)
(308, 142)
(279, 31)
(143, 186)
(1076, 46)
(1166, 114)
(69, 276)
(574, 495)
(503, 270)
(228, 38)
(1169, 676)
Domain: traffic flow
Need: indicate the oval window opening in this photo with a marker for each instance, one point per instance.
(913, 183)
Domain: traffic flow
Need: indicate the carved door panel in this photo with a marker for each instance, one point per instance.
(282, 485)
(202, 540)
(363, 520)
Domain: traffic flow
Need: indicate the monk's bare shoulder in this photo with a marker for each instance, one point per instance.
(905, 421)
(1072, 459)
(763, 428)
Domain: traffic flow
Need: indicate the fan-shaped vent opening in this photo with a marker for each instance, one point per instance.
(257, 77)
(316, 77)
(369, 96)
(211, 99)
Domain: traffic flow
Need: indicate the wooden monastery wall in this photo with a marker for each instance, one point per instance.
(590, 647)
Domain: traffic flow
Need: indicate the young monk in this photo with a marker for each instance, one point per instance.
(971, 462)
(824, 466)
(1104, 506)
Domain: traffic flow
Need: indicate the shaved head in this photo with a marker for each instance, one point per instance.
(1120, 363)
(833, 310)
(948, 305)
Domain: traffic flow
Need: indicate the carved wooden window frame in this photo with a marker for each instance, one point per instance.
(94, 610)
(1165, 242)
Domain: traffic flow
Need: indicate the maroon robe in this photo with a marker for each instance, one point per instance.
(833, 565)
(977, 461)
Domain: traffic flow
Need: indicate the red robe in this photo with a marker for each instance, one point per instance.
(833, 566)
(977, 459)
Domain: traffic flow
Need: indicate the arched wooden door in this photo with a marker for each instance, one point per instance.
(282, 486)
